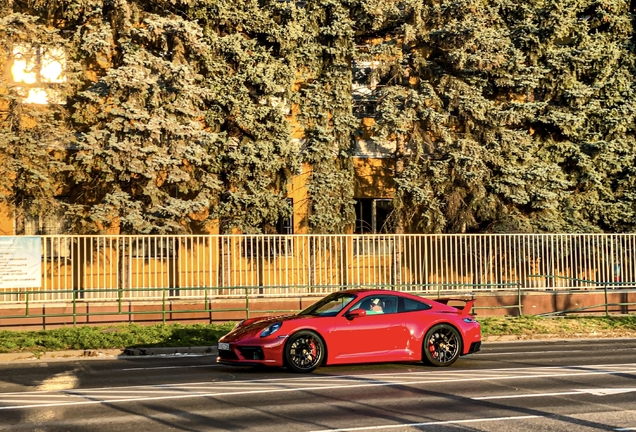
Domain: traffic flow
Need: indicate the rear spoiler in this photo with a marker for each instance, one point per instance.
(465, 310)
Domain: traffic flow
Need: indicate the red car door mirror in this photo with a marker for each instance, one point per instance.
(356, 313)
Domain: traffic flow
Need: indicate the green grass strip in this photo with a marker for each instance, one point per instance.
(120, 336)
(569, 326)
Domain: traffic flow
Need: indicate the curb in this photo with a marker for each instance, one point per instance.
(107, 354)
(60, 355)
(503, 338)
(170, 351)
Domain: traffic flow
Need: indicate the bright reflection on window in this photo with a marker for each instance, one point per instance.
(36, 96)
(53, 65)
(39, 65)
(24, 69)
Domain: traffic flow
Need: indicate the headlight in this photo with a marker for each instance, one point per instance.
(470, 320)
(272, 329)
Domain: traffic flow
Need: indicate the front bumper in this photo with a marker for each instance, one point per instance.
(251, 352)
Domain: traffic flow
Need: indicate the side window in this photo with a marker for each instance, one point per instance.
(382, 304)
(408, 305)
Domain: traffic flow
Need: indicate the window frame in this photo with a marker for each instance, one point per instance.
(36, 58)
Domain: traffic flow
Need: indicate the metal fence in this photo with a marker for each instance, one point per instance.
(106, 268)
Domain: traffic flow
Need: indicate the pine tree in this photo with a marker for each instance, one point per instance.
(33, 137)
(506, 116)
(518, 115)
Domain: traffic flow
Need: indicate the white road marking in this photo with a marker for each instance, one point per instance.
(59, 400)
(595, 392)
(625, 429)
(433, 423)
(155, 391)
(52, 402)
(279, 385)
(608, 391)
(44, 394)
(529, 395)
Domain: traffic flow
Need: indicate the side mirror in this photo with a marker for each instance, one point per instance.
(356, 313)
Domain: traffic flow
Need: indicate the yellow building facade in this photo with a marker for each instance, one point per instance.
(37, 75)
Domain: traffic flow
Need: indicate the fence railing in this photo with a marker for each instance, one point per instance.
(107, 268)
(606, 305)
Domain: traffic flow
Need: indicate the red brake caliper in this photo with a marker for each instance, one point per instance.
(431, 348)
(313, 348)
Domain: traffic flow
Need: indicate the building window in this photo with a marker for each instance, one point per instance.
(38, 71)
(370, 148)
(55, 226)
(153, 247)
(285, 225)
(364, 89)
(372, 215)
(268, 246)
(52, 224)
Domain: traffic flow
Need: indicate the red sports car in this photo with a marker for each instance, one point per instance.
(356, 326)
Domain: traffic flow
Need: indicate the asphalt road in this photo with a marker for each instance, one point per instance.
(575, 385)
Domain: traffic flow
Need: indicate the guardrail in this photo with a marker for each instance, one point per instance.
(606, 305)
(110, 268)
(167, 295)
(200, 269)
(83, 311)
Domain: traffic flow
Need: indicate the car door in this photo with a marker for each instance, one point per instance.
(366, 338)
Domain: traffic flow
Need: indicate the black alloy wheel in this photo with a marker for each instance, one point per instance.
(304, 351)
(442, 345)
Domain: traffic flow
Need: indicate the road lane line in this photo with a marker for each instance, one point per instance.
(345, 385)
(593, 391)
(433, 377)
(42, 403)
(429, 372)
(58, 398)
(527, 395)
(433, 423)
(179, 390)
(27, 394)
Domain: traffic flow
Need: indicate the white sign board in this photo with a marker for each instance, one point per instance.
(20, 262)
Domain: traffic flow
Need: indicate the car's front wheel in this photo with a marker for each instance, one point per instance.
(304, 351)
(442, 345)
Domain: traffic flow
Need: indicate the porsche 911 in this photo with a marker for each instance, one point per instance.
(356, 326)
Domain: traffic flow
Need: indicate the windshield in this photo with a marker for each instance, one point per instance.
(330, 305)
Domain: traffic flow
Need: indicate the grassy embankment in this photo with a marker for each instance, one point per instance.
(127, 336)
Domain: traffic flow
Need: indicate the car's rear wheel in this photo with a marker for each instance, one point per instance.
(304, 351)
(442, 345)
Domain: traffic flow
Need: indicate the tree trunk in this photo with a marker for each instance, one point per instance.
(398, 212)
